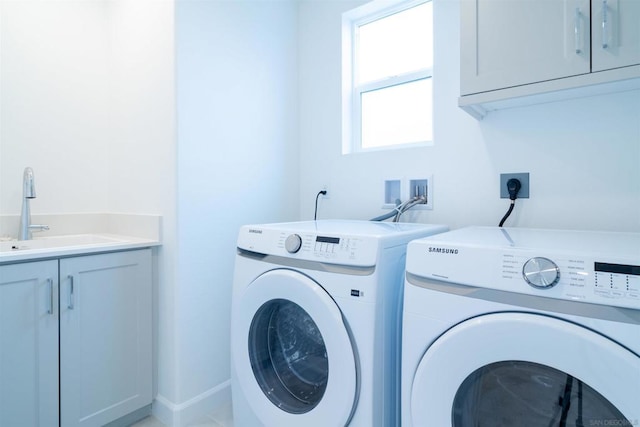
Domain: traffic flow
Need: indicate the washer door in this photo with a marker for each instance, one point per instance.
(509, 369)
(295, 359)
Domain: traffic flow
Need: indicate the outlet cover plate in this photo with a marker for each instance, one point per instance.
(325, 187)
(524, 181)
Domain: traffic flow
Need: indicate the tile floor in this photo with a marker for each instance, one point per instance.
(221, 418)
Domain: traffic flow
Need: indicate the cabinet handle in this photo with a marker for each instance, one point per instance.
(71, 297)
(577, 33)
(605, 25)
(50, 283)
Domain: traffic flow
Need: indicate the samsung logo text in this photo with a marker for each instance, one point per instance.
(443, 250)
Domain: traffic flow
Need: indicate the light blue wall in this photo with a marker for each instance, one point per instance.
(237, 163)
(583, 155)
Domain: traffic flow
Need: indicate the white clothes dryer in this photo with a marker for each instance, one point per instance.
(315, 327)
(522, 327)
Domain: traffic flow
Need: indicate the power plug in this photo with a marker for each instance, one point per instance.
(523, 192)
(513, 187)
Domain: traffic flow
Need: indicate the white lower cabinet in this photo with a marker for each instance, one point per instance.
(105, 337)
(102, 318)
(29, 344)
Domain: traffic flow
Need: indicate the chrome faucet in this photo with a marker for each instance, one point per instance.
(28, 193)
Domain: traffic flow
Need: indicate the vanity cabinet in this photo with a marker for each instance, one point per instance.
(105, 337)
(100, 327)
(29, 344)
(519, 49)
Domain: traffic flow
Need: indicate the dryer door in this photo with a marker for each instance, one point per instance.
(509, 369)
(296, 363)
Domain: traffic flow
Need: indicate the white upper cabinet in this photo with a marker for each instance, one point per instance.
(616, 33)
(509, 43)
(519, 52)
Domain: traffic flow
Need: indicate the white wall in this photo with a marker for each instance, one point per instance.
(54, 105)
(142, 151)
(237, 164)
(583, 155)
(86, 97)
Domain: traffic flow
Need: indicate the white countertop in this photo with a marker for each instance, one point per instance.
(69, 245)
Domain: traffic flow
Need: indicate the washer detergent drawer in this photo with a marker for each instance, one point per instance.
(295, 359)
(525, 369)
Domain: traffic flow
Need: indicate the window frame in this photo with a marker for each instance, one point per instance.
(352, 93)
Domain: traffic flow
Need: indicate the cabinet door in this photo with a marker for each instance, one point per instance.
(616, 33)
(506, 43)
(105, 337)
(29, 344)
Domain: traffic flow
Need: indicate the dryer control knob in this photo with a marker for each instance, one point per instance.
(541, 273)
(293, 243)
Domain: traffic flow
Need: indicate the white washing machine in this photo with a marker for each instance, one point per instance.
(522, 327)
(315, 328)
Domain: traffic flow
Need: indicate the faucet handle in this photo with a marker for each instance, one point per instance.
(36, 227)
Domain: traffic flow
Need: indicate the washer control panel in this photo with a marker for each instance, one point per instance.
(336, 249)
(311, 246)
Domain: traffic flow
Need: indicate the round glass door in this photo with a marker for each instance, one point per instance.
(515, 393)
(288, 356)
(506, 369)
(294, 358)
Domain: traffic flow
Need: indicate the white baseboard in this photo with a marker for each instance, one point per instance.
(181, 414)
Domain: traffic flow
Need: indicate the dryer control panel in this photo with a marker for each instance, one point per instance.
(617, 280)
(576, 278)
(592, 267)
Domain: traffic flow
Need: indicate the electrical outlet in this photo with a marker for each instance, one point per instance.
(524, 182)
(325, 187)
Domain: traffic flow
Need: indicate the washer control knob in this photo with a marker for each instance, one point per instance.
(541, 273)
(293, 243)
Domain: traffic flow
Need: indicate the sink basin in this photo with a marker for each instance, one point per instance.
(69, 245)
(61, 242)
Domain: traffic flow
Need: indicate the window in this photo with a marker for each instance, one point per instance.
(387, 75)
